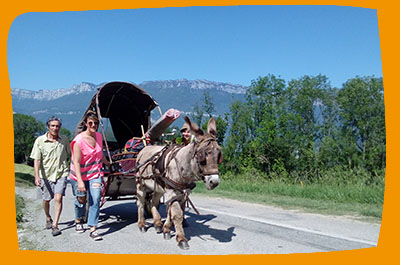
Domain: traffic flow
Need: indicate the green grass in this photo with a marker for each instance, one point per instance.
(352, 199)
(24, 175)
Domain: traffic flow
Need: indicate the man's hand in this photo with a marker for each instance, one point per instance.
(38, 182)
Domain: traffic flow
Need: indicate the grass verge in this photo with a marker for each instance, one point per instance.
(24, 177)
(364, 202)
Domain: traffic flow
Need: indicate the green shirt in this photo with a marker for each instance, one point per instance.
(53, 156)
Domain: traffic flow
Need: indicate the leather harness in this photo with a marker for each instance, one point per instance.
(160, 167)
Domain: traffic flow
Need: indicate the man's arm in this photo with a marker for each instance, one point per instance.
(36, 167)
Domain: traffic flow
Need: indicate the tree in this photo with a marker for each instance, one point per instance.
(235, 149)
(265, 99)
(205, 109)
(66, 132)
(26, 129)
(362, 113)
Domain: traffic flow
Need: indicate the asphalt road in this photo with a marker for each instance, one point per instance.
(223, 227)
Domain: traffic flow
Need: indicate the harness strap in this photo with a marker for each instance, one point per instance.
(178, 197)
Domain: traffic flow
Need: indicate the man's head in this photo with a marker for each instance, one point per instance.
(54, 125)
(185, 130)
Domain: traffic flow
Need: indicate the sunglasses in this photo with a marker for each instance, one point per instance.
(92, 123)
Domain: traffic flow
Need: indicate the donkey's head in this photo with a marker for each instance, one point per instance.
(207, 152)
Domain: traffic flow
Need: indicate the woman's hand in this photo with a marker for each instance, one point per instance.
(81, 186)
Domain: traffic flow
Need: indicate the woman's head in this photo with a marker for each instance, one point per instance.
(91, 121)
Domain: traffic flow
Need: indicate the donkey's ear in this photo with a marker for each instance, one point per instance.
(212, 127)
(194, 129)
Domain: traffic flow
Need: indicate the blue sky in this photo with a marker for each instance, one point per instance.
(234, 44)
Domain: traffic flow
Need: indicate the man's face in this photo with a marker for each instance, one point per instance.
(54, 128)
(186, 134)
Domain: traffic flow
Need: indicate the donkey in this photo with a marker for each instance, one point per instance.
(173, 171)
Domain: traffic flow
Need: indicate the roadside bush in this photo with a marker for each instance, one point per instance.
(19, 206)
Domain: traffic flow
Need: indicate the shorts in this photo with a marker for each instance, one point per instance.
(57, 187)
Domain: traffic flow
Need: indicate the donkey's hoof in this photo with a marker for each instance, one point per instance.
(143, 229)
(158, 229)
(167, 236)
(183, 245)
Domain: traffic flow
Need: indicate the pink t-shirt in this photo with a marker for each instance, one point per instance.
(91, 158)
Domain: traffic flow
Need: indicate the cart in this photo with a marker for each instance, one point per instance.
(124, 111)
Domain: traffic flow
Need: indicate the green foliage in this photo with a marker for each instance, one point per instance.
(202, 113)
(298, 131)
(26, 129)
(66, 132)
(19, 206)
(362, 113)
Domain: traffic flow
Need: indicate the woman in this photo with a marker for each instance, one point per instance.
(86, 174)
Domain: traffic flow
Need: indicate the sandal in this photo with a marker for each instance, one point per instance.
(95, 235)
(49, 224)
(79, 228)
(55, 231)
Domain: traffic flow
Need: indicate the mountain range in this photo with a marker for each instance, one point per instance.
(70, 103)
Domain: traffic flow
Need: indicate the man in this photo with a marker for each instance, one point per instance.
(186, 135)
(50, 153)
(187, 138)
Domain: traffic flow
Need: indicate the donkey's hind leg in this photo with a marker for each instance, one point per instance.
(141, 198)
(167, 224)
(155, 202)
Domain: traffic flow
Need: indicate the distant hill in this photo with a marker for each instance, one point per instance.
(70, 103)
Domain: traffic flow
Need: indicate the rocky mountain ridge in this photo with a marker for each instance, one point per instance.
(160, 84)
(70, 103)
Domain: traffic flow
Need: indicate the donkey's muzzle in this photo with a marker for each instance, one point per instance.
(211, 181)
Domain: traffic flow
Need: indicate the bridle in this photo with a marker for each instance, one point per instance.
(200, 154)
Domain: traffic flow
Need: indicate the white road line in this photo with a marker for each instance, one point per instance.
(372, 243)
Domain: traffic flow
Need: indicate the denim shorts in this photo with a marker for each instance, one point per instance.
(93, 190)
(74, 186)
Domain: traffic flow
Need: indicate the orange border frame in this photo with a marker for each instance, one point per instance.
(386, 250)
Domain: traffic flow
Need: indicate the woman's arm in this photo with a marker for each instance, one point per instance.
(105, 161)
(77, 166)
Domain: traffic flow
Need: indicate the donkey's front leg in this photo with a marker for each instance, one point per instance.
(141, 195)
(177, 218)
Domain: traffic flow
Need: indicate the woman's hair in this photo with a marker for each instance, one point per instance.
(89, 115)
(92, 115)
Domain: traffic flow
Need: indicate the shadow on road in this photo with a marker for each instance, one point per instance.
(198, 227)
(118, 216)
